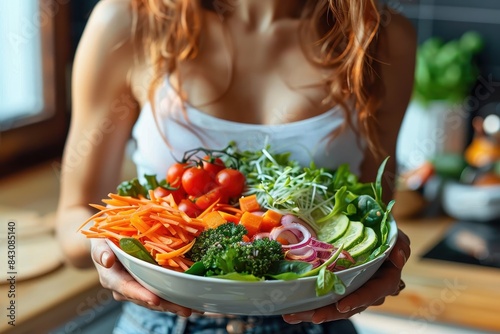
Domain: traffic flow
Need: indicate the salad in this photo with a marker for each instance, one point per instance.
(248, 215)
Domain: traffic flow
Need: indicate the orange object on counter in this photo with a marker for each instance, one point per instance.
(481, 152)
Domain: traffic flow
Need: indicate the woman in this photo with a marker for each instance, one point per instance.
(323, 79)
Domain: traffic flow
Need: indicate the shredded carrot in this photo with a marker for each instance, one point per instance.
(175, 253)
(208, 210)
(229, 208)
(164, 230)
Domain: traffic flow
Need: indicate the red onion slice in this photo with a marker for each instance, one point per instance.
(292, 219)
(321, 245)
(285, 232)
(306, 254)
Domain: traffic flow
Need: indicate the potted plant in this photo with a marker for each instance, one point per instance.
(435, 122)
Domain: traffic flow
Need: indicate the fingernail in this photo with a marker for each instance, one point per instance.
(343, 309)
(402, 285)
(290, 319)
(104, 258)
(293, 322)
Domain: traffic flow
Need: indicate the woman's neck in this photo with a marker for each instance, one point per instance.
(261, 14)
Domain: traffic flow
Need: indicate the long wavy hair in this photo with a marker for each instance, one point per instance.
(345, 38)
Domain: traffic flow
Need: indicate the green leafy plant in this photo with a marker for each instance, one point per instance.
(446, 71)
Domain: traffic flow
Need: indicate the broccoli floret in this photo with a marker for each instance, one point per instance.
(216, 238)
(222, 252)
(253, 258)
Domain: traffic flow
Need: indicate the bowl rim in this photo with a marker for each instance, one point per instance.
(392, 236)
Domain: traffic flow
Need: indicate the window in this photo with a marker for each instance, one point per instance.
(34, 48)
(21, 90)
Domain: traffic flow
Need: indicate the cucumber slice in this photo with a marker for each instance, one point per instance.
(352, 236)
(333, 229)
(366, 245)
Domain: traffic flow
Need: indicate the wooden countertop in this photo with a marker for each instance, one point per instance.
(440, 291)
(437, 291)
(51, 300)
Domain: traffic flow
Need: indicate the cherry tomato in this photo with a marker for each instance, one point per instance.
(196, 181)
(232, 181)
(161, 192)
(174, 174)
(189, 208)
(205, 200)
(213, 165)
(177, 194)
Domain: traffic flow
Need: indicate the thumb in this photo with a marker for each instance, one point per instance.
(102, 254)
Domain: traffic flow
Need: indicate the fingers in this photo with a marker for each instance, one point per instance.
(101, 253)
(401, 251)
(385, 282)
(130, 290)
(320, 315)
(371, 292)
(162, 306)
(114, 277)
(401, 287)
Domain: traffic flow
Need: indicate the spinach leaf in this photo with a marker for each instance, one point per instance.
(134, 248)
(287, 270)
(328, 281)
(197, 269)
(384, 224)
(342, 201)
(368, 211)
(378, 183)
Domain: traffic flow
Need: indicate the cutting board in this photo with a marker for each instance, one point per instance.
(31, 241)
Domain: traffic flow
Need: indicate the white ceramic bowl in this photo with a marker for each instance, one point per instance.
(469, 202)
(244, 298)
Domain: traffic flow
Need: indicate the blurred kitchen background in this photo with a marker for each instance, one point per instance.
(448, 197)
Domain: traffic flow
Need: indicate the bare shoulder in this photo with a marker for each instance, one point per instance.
(115, 11)
(105, 51)
(397, 38)
(396, 51)
(113, 19)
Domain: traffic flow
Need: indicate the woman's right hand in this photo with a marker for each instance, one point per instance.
(114, 277)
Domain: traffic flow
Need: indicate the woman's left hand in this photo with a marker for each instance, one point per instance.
(386, 282)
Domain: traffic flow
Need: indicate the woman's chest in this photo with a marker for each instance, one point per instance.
(254, 78)
(264, 85)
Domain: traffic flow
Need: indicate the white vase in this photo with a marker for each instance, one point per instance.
(429, 130)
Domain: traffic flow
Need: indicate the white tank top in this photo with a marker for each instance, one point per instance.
(306, 140)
